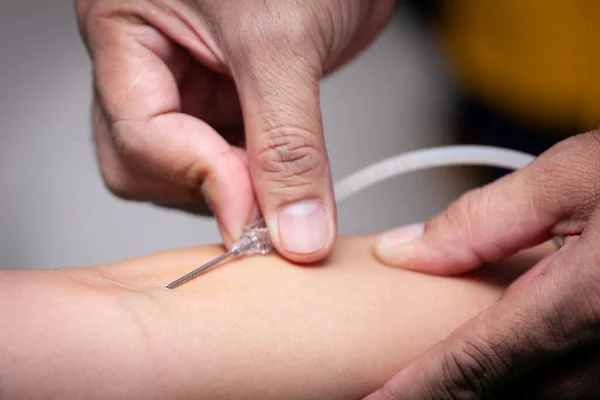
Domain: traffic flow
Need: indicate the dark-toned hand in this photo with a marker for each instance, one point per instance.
(218, 101)
(542, 339)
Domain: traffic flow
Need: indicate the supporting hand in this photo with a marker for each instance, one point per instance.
(541, 340)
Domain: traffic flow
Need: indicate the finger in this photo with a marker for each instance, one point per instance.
(279, 91)
(528, 276)
(552, 195)
(126, 182)
(554, 313)
(135, 74)
(538, 268)
(130, 184)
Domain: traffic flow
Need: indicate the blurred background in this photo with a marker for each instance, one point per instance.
(409, 90)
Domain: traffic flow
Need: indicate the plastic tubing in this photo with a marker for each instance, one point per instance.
(444, 156)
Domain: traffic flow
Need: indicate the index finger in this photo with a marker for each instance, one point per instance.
(136, 71)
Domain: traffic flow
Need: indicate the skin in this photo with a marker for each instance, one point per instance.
(253, 328)
(213, 106)
(541, 340)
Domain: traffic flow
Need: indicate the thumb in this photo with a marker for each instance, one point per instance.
(482, 226)
(553, 195)
(288, 160)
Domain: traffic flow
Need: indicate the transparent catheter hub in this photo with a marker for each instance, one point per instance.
(255, 240)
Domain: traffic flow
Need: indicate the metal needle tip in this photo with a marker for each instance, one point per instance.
(197, 271)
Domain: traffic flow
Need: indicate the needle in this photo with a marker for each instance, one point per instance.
(255, 240)
(201, 269)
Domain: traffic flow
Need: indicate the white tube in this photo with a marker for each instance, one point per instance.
(444, 156)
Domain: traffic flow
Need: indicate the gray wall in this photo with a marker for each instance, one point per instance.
(55, 211)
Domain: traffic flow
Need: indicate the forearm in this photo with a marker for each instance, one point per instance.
(67, 335)
(268, 329)
(257, 327)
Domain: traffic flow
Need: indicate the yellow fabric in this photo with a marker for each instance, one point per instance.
(536, 59)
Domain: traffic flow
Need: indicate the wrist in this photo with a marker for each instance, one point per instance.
(74, 335)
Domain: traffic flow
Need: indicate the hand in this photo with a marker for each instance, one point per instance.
(541, 340)
(173, 80)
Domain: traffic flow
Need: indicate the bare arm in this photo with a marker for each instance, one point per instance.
(257, 327)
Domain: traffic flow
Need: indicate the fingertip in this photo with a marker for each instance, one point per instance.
(397, 246)
(303, 231)
(415, 248)
(228, 192)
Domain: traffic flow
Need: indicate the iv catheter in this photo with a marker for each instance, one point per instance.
(256, 240)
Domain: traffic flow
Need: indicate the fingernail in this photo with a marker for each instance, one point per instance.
(394, 246)
(304, 227)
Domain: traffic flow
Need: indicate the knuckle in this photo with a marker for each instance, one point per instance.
(461, 380)
(123, 135)
(574, 286)
(588, 292)
(461, 214)
(467, 218)
(580, 144)
(471, 370)
(280, 22)
(121, 140)
(568, 173)
(118, 182)
(562, 320)
(276, 31)
(290, 158)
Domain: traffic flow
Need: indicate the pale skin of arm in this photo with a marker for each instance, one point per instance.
(254, 328)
